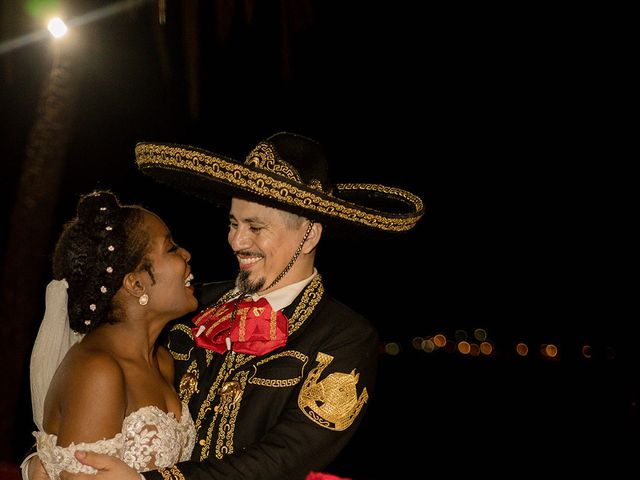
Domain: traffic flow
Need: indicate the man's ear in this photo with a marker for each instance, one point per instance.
(313, 238)
(133, 284)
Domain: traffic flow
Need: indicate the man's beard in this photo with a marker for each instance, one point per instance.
(245, 285)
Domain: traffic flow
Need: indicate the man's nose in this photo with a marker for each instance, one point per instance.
(239, 239)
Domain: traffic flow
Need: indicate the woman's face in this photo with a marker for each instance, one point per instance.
(171, 295)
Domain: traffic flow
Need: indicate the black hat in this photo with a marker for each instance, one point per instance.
(287, 171)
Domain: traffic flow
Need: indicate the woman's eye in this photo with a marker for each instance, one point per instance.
(173, 248)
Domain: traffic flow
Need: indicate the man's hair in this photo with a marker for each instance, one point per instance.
(291, 220)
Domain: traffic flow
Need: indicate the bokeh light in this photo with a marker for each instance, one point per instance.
(57, 27)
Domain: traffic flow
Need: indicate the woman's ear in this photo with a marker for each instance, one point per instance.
(313, 238)
(132, 284)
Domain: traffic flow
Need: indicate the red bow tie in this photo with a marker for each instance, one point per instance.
(255, 328)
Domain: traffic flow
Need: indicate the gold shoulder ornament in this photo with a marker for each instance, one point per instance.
(332, 403)
(188, 385)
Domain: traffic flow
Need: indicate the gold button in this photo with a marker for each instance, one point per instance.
(202, 442)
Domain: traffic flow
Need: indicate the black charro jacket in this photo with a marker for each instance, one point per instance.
(296, 407)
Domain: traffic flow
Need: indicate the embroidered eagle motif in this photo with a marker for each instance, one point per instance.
(332, 403)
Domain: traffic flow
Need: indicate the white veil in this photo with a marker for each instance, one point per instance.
(54, 339)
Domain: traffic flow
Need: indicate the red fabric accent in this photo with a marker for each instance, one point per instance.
(323, 476)
(256, 328)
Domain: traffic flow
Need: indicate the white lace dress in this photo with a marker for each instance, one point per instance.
(150, 439)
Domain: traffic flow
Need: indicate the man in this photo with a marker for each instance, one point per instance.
(277, 372)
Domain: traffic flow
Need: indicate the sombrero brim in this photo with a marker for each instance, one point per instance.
(213, 177)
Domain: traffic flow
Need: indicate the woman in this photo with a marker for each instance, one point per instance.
(113, 391)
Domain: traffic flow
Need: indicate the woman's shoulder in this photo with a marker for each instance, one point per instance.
(85, 354)
(88, 368)
(88, 384)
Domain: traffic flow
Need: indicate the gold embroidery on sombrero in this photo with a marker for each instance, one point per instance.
(268, 187)
(409, 197)
(332, 403)
(264, 157)
(316, 185)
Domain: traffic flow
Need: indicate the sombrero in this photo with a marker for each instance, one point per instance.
(286, 171)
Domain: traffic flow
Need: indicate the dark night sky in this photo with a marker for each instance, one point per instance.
(495, 120)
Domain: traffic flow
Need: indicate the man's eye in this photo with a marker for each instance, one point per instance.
(173, 248)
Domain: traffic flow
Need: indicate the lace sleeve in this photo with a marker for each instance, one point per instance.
(56, 459)
(141, 448)
(150, 439)
(153, 439)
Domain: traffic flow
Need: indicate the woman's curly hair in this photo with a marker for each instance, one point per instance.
(95, 251)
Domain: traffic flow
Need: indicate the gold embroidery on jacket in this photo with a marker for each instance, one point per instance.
(176, 355)
(205, 407)
(309, 301)
(208, 356)
(222, 419)
(171, 473)
(229, 408)
(189, 382)
(232, 361)
(332, 403)
(286, 382)
(206, 441)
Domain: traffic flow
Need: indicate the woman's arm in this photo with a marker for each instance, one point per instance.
(87, 399)
(85, 404)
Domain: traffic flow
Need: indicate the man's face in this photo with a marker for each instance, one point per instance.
(264, 240)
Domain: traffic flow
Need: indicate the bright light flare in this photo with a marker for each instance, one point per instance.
(99, 14)
(57, 27)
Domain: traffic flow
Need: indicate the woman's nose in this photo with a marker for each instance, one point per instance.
(186, 254)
